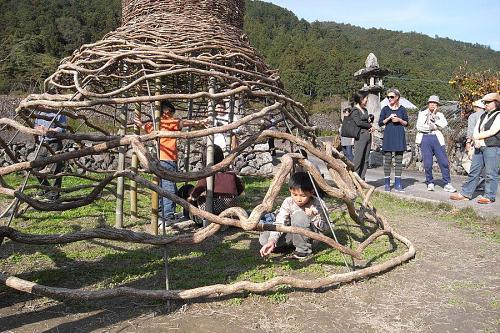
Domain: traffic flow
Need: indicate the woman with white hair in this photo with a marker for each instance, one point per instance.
(486, 153)
(395, 118)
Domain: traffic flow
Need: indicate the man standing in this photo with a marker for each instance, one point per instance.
(49, 120)
(431, 140)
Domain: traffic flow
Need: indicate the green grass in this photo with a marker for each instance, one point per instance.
(227, 257)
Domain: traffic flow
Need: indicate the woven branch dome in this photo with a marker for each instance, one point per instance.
(183, 43)
(220, 11)
(192, 53)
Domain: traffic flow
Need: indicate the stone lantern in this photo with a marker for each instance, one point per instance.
(372, 76)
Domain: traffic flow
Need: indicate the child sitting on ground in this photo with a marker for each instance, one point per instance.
(302, 209)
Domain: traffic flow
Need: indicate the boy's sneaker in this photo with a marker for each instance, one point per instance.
(449, 188)
(301, 255)
(430, 187)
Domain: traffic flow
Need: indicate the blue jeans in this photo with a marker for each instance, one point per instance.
(347, 150)
(430, 147)
(487, 157)
(167, 206)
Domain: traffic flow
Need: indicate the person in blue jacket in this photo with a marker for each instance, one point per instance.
(395, 118)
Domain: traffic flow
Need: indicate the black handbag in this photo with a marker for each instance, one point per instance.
(349, 128)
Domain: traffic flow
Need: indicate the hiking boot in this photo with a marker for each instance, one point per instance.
(398, 187)
(387, 184)
(449, 188)
(430, 187)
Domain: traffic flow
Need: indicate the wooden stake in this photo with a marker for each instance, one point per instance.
(156, 180)
(134, 165)
(210, 149)
(120, 183)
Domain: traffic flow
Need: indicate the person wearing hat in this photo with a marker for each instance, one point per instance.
(478, 108)
(394, 119)
(432, 143)
(486, 153)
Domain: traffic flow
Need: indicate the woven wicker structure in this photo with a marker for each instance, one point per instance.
(192, 53)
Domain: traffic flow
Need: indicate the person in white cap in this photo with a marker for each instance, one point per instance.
(478, 108)
(432, 143)
(486, 153)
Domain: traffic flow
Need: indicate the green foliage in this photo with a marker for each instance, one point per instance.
(316, 60)
(36, 34)
(472, 86)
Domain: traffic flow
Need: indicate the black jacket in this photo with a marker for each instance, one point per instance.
(360, 118)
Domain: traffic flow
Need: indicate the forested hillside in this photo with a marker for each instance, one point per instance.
(316, 60)
(36, 34)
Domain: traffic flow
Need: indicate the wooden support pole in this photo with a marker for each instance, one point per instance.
(233, 140)
(134, 167)
(187, 150)
(210, 148)
(120, 182)
(156, 180)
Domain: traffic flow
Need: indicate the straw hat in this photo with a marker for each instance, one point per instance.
(491, 97)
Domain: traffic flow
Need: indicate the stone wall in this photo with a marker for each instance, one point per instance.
(26, 152)
(253, 161)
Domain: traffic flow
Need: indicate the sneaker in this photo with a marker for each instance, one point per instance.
(430, 187)
(449, 188)
(301, 255)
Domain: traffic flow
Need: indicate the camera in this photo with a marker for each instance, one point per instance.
(371, 118)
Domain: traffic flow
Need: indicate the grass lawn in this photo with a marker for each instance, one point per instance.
(229, 256)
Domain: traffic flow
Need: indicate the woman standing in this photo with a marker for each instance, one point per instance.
(486, 153)
(362, 144)
(346, 142)
(395, 118)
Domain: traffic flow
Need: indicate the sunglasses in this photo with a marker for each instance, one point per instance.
(391, 97)
(487, 102)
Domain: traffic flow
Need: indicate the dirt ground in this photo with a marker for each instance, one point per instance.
(452, 285)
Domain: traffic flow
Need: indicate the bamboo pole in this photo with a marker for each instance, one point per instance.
(120, 182)
(156, 180)
(187, 150)
(210, 149)
(134, 167)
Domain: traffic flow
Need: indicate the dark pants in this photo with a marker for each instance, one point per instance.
(54, 168)
(272, 148)
(430, 147)
(362, 152)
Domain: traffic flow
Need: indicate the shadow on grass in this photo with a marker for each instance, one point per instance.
(224, 258)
